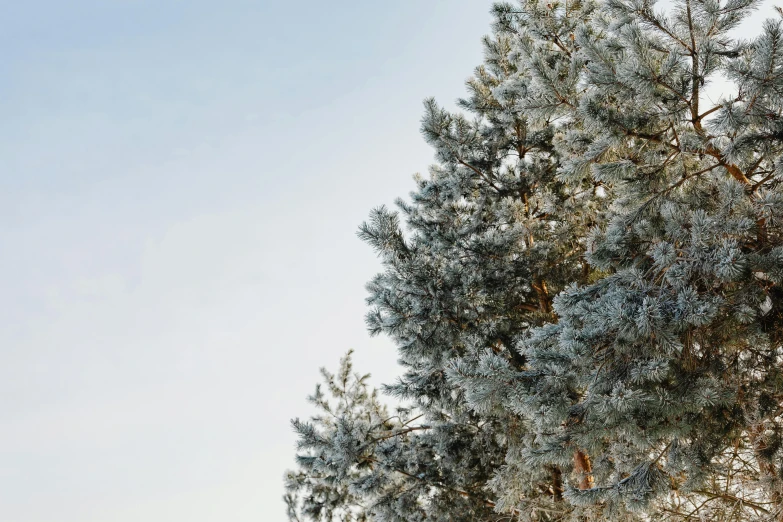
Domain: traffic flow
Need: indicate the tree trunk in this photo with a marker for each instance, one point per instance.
(584, 469)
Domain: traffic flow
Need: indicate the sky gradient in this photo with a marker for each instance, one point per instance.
(181, 187)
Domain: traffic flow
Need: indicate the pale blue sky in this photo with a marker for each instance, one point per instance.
(181, 186)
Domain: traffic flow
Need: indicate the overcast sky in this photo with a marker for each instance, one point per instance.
(181, 186)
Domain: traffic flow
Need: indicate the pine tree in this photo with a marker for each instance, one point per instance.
(587, 299)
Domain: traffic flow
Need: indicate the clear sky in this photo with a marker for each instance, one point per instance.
(181, 186)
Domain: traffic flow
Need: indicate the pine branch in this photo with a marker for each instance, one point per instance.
(724, 496)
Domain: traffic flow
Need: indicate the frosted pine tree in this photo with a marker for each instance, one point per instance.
(359, 462)
(587, 297)
(666, 371)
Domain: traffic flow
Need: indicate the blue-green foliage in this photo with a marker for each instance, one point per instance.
(586, 296)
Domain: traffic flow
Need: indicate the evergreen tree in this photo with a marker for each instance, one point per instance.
(587, 300)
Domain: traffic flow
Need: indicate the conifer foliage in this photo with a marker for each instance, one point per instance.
(587, 291)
